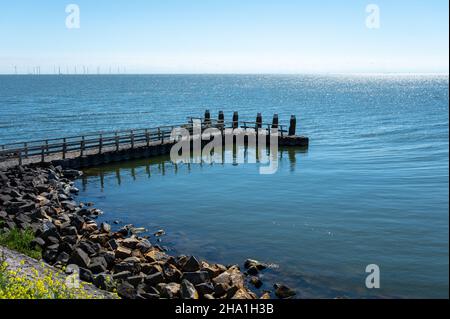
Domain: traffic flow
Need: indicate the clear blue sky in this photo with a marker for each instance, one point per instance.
(225, 36)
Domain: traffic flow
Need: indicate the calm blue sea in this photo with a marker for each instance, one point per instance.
(371, 189)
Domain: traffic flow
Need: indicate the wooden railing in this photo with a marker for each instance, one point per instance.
(116, 140)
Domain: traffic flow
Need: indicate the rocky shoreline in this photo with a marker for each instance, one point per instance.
(41, 198)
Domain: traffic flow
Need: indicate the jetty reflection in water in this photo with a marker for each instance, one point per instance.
(162, 165)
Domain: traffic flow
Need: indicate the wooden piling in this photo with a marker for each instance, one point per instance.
(116, 139)
(132, 139)
(275, 121)
(292, 125)
(258, 121)
(42, 154)
(64, 149)
(221, 118)
(82, 146)
(207, 118)
(235, 120)
(100, 144)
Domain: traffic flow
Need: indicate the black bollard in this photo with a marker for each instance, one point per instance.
(275, 121)
(258, 121)
(221, 118)
(207, 117)
(235, 120)
(292, 125)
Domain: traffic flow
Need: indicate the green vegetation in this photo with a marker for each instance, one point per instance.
(15, 284)
(20, 240)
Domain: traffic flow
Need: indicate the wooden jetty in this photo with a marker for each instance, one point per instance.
(98, 148)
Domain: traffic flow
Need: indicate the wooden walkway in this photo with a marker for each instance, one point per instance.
(98, 143)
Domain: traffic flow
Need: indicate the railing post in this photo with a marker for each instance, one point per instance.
(159, 133)
(64, 148)
(292, 125)
(42, 153)
(82, 146)
(132, 139)
(275, 121)
(220, 119)
(147, 137)
(207, 117)
(235, 120)
(26, 149)
(20, 158)
(116, 139)
(100, 144)
(258, 121)
(46, 145)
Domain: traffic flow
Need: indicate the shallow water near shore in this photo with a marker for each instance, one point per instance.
(371, 188)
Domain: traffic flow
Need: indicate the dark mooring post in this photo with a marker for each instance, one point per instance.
(292, 125)
(221, 118)
(258, 121)
(275, 121)
(235, 120)
(207, 117)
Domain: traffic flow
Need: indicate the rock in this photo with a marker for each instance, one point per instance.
(3, 215)
(191, 265)
(66, 247)
(188, 290)
(126, 291)
(196, 278)
(220, 289)
(146, 295)
(22, 218)
(154, 256)
(87, 247)
(154, 279)
(113, 244)
(159, 233)
(213, 270)
(171, 290)
(105, 282)
(63, 258)
(283, 291)
(205, 288)
(137, 230)
(79, 258)
(50, 255)
(150, 269)
(122, 252)
(86, 275)
(98, 265)
(231, 277)
(136, 280)
(254, 263)
(144, 246)
(37, 242)
(243, 294)
(122, 275)
(132, 259)
(255, 281)
(252, 270)
(69, 231)
(123, 266)
(71, 173)
(105, 228)
(130, 242)
(172, 273)
(266, 295)
(124, 231)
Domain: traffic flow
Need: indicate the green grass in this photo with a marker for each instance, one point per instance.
(20, 240)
